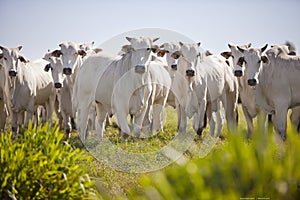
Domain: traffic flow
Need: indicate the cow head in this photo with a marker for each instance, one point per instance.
(237, 58)
(56, 67)
(254, 60)
(141, 49)
(13, 59)
(172, 52)
(71, 56)
(188, 60)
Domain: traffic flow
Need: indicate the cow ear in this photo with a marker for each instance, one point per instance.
(240, 49)
(19, 47)
(1, 47)
(208, 53)
(264, 48)
(180, 43)
(248, 45)
(226, 54)
(199, 43)
(265, 59)
(129, 39)
(97, 50)
(82, 53)
(229, 45)
(162, 46)
(47, 67)
(56, 53)
(22, 59)
(292, 53)
(155, 39)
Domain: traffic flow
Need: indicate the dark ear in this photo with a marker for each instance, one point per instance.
(265, 59)
(248, 45)
(199, 43)
(19, 47)
(129, 39)
(162, 46)
(47, 67)
(155, 39)
(82, 53)
(161, 53)
(264, 48)
(208, 53)
(240, 49)
(56, 53)
(22, 59)
(292, 53)
(229, 45)
(180, 43)
(226, 54)
(97, 50)
(1, 47)
(241, 61)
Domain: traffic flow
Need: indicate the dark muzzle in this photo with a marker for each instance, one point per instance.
(238, 73)
(12, 73)
(67, 71)
(57, 85)
(190, 73)
(140, 69)
(174, 67)
(252, 82)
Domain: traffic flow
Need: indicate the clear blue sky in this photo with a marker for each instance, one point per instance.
(39, 25)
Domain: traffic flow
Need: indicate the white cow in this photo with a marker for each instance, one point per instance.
(33, 86)
(117, 83)
(63, 85)
(276, 80)
(247, 94)
(221, 84)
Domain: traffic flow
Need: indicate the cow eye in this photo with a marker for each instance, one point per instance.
(175, 55)
(148, 49)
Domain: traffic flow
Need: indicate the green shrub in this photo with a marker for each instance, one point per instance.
(39, 165)
(262, 168)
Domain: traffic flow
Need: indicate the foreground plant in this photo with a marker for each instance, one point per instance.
(39, 165)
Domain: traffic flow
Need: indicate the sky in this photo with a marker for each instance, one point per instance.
(39, 25)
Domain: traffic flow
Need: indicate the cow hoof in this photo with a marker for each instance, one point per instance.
(199, 131)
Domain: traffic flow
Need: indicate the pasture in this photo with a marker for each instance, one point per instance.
(116, 184)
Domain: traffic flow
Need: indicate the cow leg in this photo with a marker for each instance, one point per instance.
(82, 117)
(249, 121)
(220, 120)
(67, 123)
(148, 120)
(178, 115)
(101, 116)
(213, 118)
(14, 124)
(3, 114)
(199, 123)
(183, 120)
(295, 118)
(280, 120)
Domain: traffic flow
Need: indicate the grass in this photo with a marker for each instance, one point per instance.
(122, 182)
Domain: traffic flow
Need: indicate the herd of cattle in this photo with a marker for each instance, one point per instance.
(77, 81)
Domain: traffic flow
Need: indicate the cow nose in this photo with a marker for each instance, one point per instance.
(252, 82)
(174, 67)
(190, 72)
(57, 85)
(67, 71)
(12, 73)
(140, 69)
(238, 73)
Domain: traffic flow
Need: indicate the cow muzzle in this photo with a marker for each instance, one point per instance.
(140, 69)
(12, 73)
(252, 82)
(67, 71)
(174, 67)
(57, 85)
(190, 72)
(238, 73)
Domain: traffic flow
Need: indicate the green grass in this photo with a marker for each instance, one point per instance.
(201, 168)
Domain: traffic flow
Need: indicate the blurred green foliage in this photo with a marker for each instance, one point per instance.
(40, 165)
(263, 168)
